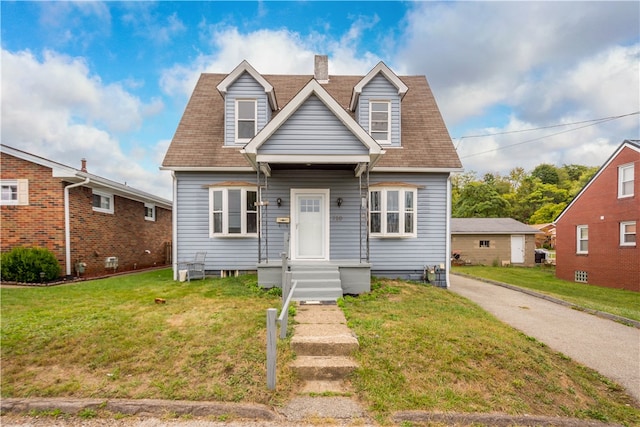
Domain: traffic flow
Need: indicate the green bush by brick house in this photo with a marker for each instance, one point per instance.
(22, 264)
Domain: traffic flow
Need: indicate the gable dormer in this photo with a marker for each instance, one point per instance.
(376, 101)
(249, 100)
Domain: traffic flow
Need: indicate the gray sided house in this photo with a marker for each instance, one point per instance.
(348, 175)
(488, 241)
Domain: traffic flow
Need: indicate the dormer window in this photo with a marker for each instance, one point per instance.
(246, 113)
(379, 113)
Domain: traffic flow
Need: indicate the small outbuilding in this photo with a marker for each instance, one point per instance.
(491, 241)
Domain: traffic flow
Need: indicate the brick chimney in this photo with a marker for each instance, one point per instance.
(321, 69)
(84, 165)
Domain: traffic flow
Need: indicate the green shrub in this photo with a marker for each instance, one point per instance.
(22, 264)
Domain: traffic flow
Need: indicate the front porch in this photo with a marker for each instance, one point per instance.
(318, 280)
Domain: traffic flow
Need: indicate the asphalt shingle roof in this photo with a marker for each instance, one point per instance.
(199, 138)
(490, 226)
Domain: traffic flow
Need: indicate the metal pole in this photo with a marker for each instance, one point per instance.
(272, 314)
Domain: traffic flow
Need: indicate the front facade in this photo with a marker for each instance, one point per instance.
(597, 233)
(94, 226)
(493, 241)
(335, 171)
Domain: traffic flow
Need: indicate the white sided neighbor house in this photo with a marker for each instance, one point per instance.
(348, 175)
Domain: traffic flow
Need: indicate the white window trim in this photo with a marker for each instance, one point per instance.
(153, 210)
(106, 195)
(225, 212)
(381, 101)
(623, 226)
(622, 168)
(401, 211)
(237, 119)
(578, 240)
(22, 192)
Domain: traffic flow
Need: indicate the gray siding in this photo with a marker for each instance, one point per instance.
(379, 88)
(313, 129)
(193, 225)
(395, 257)
(244, 87)
(406, 257)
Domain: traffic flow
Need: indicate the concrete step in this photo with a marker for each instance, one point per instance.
(317, 294)
(314, 368)
(323, 340)
(333, 274)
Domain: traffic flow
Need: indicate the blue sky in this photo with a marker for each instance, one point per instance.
(108, 81)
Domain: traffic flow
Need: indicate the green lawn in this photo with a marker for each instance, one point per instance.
(542, 279)
(426, 348)
(420, 348)
(108, 338)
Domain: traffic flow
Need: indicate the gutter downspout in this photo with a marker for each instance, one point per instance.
(67, 226)
(174, 226)
(448, 233)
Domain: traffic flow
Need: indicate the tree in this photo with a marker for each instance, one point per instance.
(481, 200)
(547, 213)
(546, 173)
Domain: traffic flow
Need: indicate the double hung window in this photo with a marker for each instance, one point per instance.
(245, 119)
(625, 180)
(149, 212)
(582, 239)
(392, 212)
(379, 114)
(628, 233)
(233, 211)
(102, 202)
(14, 192)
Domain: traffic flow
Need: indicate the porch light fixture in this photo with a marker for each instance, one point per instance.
(339, 201)
(279, 201)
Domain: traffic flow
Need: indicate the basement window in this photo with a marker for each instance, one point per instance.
(581, 276)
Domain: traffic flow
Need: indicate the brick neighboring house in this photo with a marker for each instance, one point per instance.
(105, 218)
(597, 232)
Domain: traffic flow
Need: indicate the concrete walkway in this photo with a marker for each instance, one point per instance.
(606, 346)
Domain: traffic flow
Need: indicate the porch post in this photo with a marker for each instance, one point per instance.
(259, 214)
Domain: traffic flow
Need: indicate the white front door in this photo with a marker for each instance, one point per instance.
(310, 224)
(517, 249)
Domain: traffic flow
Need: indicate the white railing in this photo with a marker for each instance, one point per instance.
(288, 288)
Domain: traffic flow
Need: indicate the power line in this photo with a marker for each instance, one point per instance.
(549, 127)
(591, 123)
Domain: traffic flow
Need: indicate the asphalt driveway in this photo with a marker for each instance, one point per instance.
(608, 347)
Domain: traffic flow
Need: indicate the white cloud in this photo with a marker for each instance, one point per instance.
(57, 109)
(540, 63)
(270, 52)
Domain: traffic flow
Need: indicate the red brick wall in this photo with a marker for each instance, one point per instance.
(41, 223)
(94, 235)
(124, 234)
(607, 263)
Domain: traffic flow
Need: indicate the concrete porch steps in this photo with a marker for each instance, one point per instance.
(323, 344)
(316, 282)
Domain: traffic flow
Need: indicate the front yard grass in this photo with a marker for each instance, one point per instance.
(426, 348)
(421, 348)
(542, 279)
(108, 338)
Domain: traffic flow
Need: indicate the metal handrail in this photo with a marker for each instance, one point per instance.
(288, 289)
